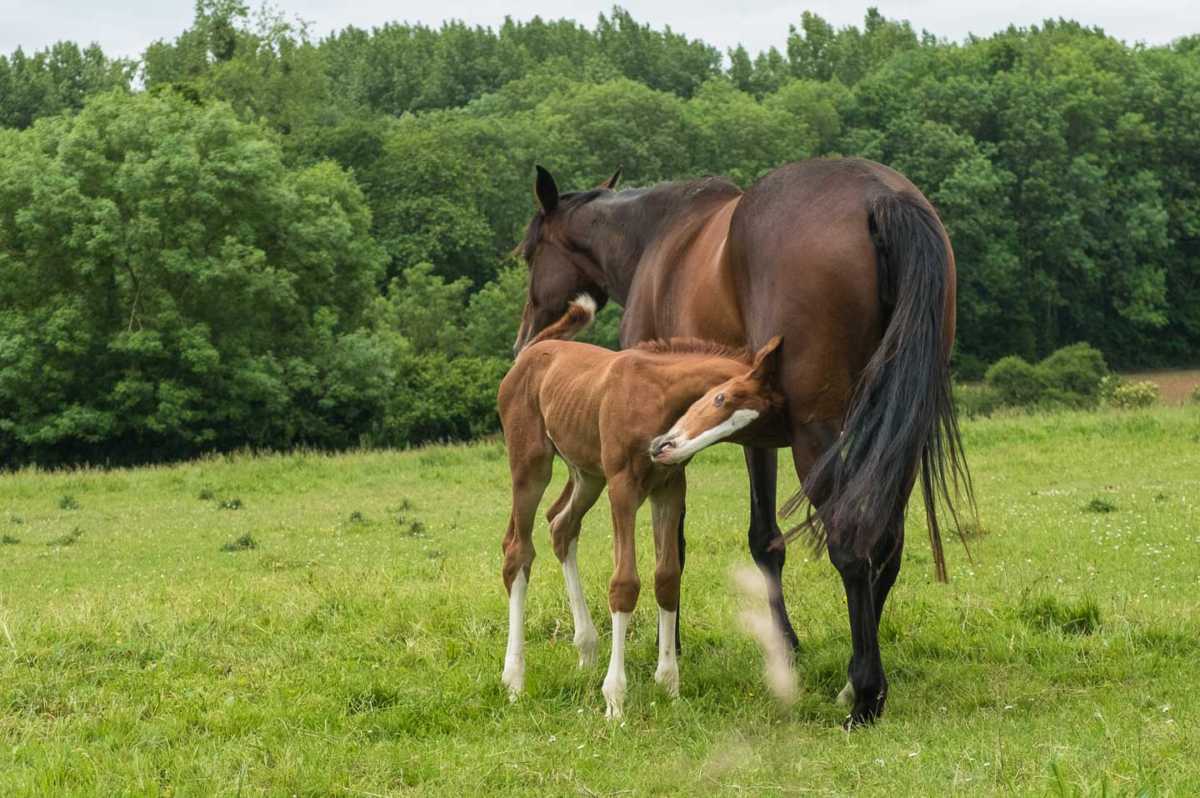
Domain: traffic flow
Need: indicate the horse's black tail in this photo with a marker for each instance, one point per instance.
(901, 414)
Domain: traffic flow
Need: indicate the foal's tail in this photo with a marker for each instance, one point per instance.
(901, 413)
(579, 315)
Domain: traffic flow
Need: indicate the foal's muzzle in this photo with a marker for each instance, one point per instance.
(661, 448)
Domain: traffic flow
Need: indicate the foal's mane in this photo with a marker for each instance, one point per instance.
(695, 346)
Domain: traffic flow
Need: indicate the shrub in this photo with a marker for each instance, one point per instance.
(244, 543)
(977, 400)
(1196, 395)
(1016, 382)
(1134, 395)
(437, 398)
(1074, 375)
(967, 367)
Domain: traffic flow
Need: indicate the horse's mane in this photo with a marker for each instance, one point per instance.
(677, 196)
(695, 346)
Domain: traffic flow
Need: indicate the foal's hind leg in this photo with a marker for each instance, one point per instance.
(530, 474)
(667, 503)
(624, 494)
(566, 517)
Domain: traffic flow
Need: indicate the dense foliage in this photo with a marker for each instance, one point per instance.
(250, 237)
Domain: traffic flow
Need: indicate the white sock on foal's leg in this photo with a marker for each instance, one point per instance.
(614, 681)
(586, 637)
(668, 666)
(514, 658)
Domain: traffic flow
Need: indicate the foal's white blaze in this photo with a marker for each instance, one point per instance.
(514, 658)
(614, 681)
(668, 667)
(586, 638)
(686, 447)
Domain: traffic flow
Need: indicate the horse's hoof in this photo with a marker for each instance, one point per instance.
(865, 712)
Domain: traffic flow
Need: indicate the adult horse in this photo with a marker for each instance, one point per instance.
(846, 260)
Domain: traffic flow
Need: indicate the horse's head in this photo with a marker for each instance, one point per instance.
(724, 410)
(561, 266)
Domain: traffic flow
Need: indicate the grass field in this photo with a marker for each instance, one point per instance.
(335, 625)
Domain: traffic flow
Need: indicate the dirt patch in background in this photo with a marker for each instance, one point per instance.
(1176, 385)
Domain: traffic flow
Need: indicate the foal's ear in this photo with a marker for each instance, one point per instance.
(766, 361)
(611, 183)
(545, 189)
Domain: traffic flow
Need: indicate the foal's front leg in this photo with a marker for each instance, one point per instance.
(623, 495)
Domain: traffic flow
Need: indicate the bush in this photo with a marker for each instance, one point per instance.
(1016, 382)
(1196, 395)
(967, 367)
(976, 400)
(436, 398)
(1074, 375)
(1134, 395)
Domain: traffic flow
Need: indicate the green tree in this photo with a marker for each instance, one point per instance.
(168, 284)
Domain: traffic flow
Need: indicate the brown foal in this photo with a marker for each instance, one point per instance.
(604, 413)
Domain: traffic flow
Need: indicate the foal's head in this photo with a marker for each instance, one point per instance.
(558, 271)
(724, 410)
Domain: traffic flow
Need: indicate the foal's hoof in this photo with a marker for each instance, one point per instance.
(668, 678)
(614, 698)
(514, 679)
(586, 645)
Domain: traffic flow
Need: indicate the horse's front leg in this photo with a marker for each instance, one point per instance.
(764, 532)
(624, 497)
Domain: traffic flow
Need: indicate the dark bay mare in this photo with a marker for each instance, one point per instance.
(849, 262)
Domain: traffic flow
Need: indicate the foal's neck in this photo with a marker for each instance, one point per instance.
(691, 376)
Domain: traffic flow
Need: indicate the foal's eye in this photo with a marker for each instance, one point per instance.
(719, 400)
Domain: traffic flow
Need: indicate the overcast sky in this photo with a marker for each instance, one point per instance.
(125, 28)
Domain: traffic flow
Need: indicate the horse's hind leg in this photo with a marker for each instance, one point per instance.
(566, 517)
(764, 534)
(889, 551)
(667, 503)
(531, 472)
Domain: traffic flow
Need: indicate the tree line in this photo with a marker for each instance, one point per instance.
(252, 237)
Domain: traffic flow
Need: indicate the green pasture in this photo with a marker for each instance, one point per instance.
(314, 625)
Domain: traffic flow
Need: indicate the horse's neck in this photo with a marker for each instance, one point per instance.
(638, 222)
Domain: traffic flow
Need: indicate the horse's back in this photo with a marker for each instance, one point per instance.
(804, 265)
